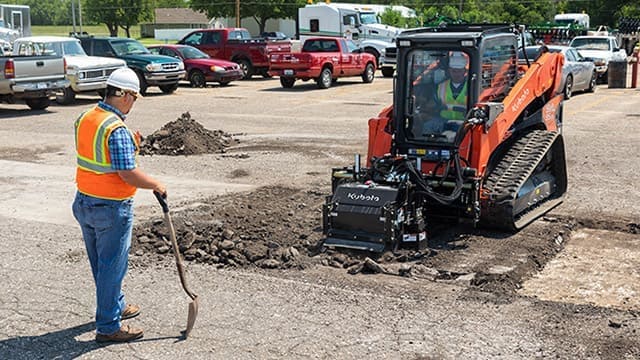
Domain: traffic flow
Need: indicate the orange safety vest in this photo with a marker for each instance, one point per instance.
(455, 108)
(94, 174)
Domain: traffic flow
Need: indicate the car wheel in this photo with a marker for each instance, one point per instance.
(592, 82)
(388, 72)
(568, 87)
(38, 103)
(287, 83)
(196, 79)
(246, 67)
(67, 96)
(168, 89)
(143, 84)
(368, 74)
(324, 80)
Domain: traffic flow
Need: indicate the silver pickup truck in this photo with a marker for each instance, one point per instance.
(34, 79)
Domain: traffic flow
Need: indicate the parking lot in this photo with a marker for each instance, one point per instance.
(567, 286)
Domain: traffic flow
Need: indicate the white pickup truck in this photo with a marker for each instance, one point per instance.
(86, 74)
(601, 50)
(34, 79)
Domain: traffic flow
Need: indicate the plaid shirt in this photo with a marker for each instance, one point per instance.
(122, 148)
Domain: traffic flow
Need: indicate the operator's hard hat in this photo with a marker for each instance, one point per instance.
(125, 79)
(457, 61)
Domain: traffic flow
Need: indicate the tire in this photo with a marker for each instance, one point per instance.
(368, 74)
(568, 87)
(592, 82)
(287, 83)
(197, 79)
(38, 103)
(388, 72)
(143, 84)
(324, 80)
(246, 67)
(67, 97)
(169, 89)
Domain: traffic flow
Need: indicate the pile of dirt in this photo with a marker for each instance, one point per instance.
(185, 136)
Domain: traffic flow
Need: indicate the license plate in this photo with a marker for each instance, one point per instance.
(41, 85)
(288, 72)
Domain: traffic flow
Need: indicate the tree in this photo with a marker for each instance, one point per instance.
(260, 11)
(117, 13)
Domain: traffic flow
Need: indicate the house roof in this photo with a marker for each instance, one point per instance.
(180, 16)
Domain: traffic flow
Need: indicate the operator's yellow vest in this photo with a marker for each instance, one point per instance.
(455, 108)
(94, 175)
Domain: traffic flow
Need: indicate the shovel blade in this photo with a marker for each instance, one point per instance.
(191, 319)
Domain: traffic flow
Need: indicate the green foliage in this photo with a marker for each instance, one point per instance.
(394, 18)
(261, 11)
(118, 13)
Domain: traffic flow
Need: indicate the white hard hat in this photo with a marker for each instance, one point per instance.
(457, 61)
(125, 79)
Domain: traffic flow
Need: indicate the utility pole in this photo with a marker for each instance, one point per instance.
(73, 15)
(80, 14)
(237, 13)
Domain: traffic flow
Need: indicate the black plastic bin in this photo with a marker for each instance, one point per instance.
(617, 74)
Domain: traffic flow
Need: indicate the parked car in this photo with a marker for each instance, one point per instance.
(236, 44)
(601, 50)
(34, 79)
(201, 68)
(323, 59)
(153, 70)
(85, 73)
(274, 35)
(578, 73)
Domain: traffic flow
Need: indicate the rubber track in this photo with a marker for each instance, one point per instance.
(506, 179)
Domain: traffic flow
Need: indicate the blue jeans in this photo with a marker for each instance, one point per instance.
(106, 228)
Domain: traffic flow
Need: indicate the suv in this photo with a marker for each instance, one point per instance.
(85, 73)
(153, 70)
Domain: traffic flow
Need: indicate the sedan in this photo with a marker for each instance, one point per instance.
(200, 67)
(578, 72)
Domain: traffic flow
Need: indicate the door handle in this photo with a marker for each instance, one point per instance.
(39, 63)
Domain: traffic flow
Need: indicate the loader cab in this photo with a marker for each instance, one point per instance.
(432, 99)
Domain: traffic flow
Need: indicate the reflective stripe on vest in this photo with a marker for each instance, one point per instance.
(94, 174)
(455, 108)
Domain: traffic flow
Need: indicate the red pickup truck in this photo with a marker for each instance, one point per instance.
(237, 45)
(323, 59)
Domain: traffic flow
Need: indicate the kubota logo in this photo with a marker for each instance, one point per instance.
(363, 197)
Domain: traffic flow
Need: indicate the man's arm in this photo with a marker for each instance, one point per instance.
(139, 179)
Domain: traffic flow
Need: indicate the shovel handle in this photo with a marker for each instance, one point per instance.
(162, 199)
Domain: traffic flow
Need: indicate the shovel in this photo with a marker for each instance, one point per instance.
(193, 306)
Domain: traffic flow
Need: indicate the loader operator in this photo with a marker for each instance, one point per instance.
(107, 178)
(450, 98)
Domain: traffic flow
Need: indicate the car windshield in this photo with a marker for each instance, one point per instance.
(129, 47)
(368, 18)
(189, 52)
(437, 94)
(73, 48)
(590, 44)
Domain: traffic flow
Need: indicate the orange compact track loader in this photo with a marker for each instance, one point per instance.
(471, 135)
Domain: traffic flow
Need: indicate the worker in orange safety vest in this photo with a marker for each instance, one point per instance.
(107, 177)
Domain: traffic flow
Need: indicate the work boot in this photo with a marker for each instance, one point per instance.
(125, 334)
(130, 311)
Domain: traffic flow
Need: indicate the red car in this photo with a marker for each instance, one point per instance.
(200, 67)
